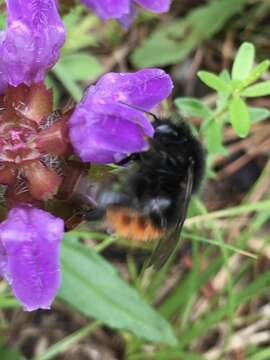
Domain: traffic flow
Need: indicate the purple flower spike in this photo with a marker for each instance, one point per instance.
(124, 10)
(103, 128)
(29, 255)
(30, 45)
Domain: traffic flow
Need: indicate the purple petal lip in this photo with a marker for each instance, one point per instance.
(29, 255)
(103, 138)
(144, 88)
(104, 128)
(31, 43)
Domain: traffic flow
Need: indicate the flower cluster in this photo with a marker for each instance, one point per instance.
(30, 237)
(30, 134)
(35, 140)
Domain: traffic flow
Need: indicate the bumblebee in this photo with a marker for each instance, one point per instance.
(151, 202)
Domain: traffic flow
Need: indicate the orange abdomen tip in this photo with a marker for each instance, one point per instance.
(131, 225)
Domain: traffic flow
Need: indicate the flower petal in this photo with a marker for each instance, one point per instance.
(103, 128)
(34, 102)
(53, 140)
(145, 88)
(105, 138)
(107, 9)
(156, 6)
(3, 260)
(40, 103)
(30, 46)
(127, 19)
(100, 103)
(43, 182)
(7, 173)
(30, 240)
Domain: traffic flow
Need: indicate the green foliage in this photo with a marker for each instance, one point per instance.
(215, 82)
(66, 343)
(2, 16)
(213, 133)
(173, 42)
(2, 21)
(102, 294)
(77, 66)
(261, 89)
(193, 107)
(231, 105)
(243, 62)
(9, 354)
(258, 114)
(240, 117)
(8, 302)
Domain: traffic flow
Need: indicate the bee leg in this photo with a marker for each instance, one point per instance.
(125, 161)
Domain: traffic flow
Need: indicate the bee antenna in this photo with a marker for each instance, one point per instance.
(140, 109)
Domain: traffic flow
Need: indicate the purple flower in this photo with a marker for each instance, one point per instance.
(30, 45)
(103, 128)
(108, 9)
(29, 255)
(124, 10)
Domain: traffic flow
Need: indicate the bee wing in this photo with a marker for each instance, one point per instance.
(167, 244)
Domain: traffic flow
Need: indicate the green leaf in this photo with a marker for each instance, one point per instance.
(81, 66)
(173, 42)
(258, 114)
(243, 62)
(260, 354)
(72, 68)
(256, 73)
(240, 116)
(215, 82)
(79, 30)
(162, 48)
(9, 354)
(7, 302)
(94, 287)
(2, 21)
(222, 98)
(261, 89)
(213, 133)
(71, 86)
(192, 107)
(225, 75)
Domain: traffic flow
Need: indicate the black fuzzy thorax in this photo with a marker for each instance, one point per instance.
(173, 150)
(156, 186)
